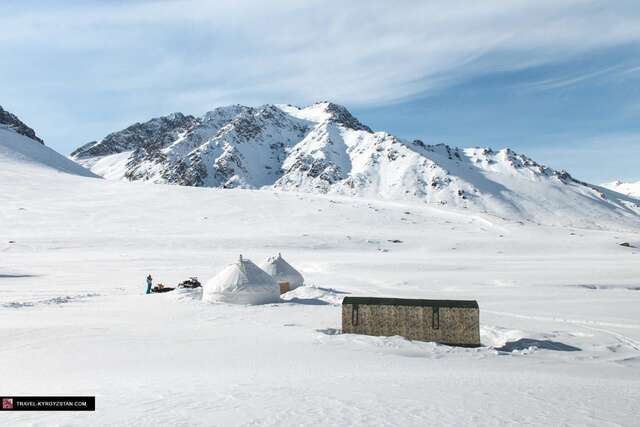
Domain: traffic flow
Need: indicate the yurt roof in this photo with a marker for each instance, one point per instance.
(281, 270)
(242, 282)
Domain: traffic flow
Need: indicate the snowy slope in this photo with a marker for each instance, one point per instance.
(560, 324)
(629, 188)
(18, 152)
(324, 149)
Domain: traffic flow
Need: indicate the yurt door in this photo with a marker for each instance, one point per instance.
(284, 287)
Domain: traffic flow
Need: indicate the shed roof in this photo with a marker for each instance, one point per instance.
(411, 302)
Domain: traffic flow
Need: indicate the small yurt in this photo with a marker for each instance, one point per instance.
(241, 283)
(287, 277)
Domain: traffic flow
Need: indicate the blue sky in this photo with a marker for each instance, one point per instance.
(558, 81)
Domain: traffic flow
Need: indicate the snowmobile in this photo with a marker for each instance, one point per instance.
(160, 288)
(190, 283)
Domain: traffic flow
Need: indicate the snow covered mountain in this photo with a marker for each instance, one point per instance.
(324, 149)
(22, 150)
(629, 188)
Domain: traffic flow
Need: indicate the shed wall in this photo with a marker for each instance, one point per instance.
(457, 325)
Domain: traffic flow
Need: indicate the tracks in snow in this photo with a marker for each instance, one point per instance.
(587, 324)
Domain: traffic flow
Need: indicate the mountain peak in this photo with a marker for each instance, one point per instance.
(340, 114)
(11, 121)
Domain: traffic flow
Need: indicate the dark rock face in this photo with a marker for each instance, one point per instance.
(344, 117)
(211, 150)
(190, 171)
(326, 172)
(146, 138)
(13, 122)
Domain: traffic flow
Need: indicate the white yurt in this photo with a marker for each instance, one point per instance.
(287, 277)
(241, 283)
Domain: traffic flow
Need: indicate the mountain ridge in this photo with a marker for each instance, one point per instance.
(11, 121)
(324, 149)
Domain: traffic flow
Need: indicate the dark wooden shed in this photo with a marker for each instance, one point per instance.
(452, 322)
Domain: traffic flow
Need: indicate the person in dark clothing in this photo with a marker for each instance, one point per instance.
(149, 283)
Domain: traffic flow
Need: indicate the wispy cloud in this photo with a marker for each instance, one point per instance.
(577, 78)
(106, 63)
(570, 80)
(354, 52)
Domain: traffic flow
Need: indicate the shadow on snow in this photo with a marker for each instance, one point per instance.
(525, 343)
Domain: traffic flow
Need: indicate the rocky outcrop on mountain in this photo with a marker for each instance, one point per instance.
(341, 115)
(143, 138)
(12, 122)
(228, 147)
(323, 148)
